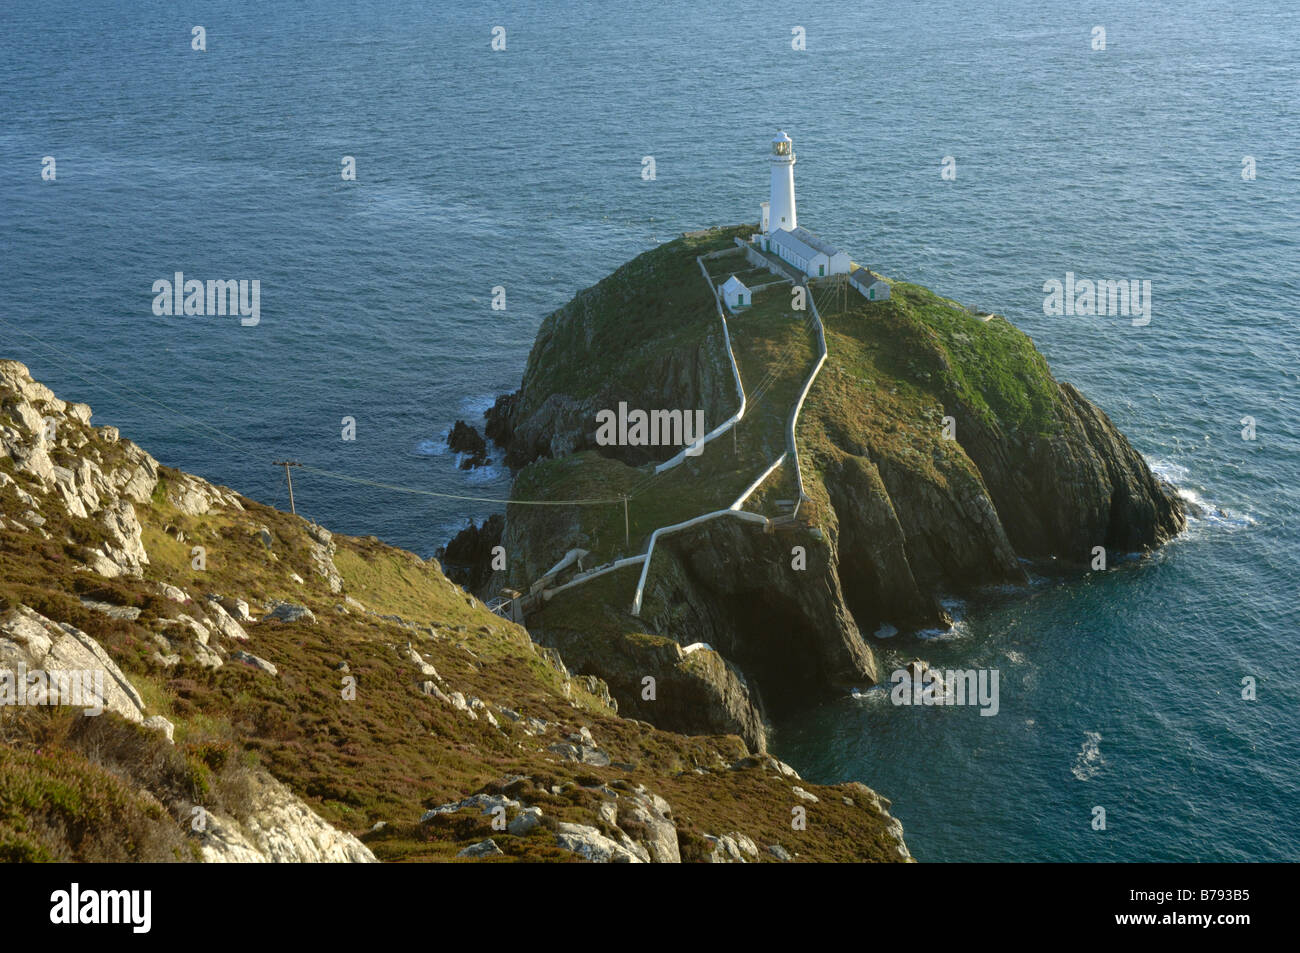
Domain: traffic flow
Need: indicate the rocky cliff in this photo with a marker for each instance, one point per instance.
(937, 452)
(269, 691)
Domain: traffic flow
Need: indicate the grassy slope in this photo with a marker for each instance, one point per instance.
(386, 756)
(658, 295)
(775, 352)
(893, 367)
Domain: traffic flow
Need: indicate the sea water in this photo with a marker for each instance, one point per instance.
(522, 169)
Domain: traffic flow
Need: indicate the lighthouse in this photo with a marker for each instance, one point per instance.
(779, 214)
(781, 237)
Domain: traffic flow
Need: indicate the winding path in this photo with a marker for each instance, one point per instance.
(735, 511)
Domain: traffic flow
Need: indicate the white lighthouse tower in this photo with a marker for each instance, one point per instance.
(779, 214)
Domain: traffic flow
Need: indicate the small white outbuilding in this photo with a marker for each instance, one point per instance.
(872, 286)
(735, 295)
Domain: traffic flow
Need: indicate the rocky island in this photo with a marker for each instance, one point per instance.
(926, 450)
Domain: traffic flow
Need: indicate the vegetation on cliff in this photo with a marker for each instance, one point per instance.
(310, 696)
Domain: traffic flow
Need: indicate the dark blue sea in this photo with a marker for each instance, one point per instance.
(522, 168)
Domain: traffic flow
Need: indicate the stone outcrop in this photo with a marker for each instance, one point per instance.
(31, 643)
(289, 612)
(733, 848)
(469, 443)
(279, 828)
(467, 558)
(701, 691)
(590, 844)
(322, 554)
(85, 472)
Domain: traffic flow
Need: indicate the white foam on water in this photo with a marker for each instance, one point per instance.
(1089, 762)
(956, 608)
(476, 406)
(481, 476)
(876, 695)
(1201, 511)
(433, 447)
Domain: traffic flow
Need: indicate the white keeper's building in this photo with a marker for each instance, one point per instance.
(813, 256)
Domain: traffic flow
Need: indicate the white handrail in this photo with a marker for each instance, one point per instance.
(593, 573)
(794, 417)
(759, 482)
(735, 370)
(664, 530)
(792, 453)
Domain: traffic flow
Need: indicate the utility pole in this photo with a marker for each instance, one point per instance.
(289, 476)
(627, 533)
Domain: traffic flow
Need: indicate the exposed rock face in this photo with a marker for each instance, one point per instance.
(546, 419)
(700, 692)
(254, 661)
(484, 848)
(591, 844)
(467, 559)
(289, 612)
(195, 497)
(792, 640)
(907, 511)
(1088, 487)
(499, 417)
(894, 827)
(236, 608)
(49, 442)
(653, 837)
(654, 815)
(526, 820)
(322, 556)
(223, 622)
(280, 829)
(30, 640)
(468, 442)
(733, 848)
